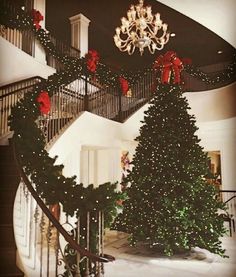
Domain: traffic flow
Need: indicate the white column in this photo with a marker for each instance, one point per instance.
(40, 55)
(79, 32)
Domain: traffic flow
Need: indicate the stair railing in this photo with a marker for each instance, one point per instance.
(111, 103)
(71, 257)
(10, 95)
(229, 198)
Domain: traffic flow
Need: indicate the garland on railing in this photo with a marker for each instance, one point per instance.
(229, 74)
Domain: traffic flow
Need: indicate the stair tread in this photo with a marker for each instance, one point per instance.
(10, 271)
(6, 225)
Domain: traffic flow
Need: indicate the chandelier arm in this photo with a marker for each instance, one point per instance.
(159, 28)
(158, 45)
(126, 43)
(152, 51)
(160, 40)
(132, 49)
(128, 29)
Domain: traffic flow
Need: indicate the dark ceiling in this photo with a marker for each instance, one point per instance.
(192, 40)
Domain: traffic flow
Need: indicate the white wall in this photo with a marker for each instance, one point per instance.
(17, 65)
(99, 165)
(221, 136)
(93, 142)
(214, 104)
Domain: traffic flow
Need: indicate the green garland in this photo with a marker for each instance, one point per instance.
(229, 74)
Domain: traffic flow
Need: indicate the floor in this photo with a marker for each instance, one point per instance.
(134, 262)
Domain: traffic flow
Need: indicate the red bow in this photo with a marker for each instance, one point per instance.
(44, 102)
(92, 58)
(124, 85)
(168, 64)
(37, 17)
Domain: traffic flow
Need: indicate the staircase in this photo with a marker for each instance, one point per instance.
(9, 183)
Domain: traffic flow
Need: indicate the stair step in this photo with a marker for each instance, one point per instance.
(7, 239)
(6, 209)
(7, 217)
(11, 181)
(10, 271)
(8, 169)
(8, 256)
(7, 196)
(6, 153)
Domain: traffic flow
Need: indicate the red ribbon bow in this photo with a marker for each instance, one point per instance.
(92, 59)
(124, 85)
(37, 17)
(169, 64)
(44, 102)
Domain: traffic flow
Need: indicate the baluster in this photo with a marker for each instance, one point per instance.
(99, 246)
(64, 104)
(36, 221)
(78, 254)
(59, 110)
(102, 239)
(52, 112)
(86, 108)
(42, 226)
(87, 243)
(48, 238)
(56, 249)
(70, 105)
(120, 105)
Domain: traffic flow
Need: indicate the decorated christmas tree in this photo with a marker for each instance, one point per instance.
(170, 205)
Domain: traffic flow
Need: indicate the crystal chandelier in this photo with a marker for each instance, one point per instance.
(141, 29)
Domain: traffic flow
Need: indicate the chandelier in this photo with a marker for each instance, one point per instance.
(141, 29)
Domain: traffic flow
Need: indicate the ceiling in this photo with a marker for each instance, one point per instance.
(192, 40)
(216, 15)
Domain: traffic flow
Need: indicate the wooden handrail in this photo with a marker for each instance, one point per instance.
(234, 191)
(54, 221)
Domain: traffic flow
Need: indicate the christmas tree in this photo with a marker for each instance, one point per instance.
(170, 205)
